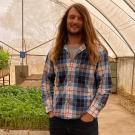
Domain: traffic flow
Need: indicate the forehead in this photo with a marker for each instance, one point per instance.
(73, 11)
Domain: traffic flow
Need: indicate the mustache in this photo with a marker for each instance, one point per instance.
(75, 25)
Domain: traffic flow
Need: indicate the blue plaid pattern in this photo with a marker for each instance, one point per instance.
(73, 87)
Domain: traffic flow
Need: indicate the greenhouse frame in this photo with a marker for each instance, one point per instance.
(28, 29)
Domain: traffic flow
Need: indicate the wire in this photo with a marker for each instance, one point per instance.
(40, 45)
(9, 46)
(123, 23)
(59, 3)
(132, 3)
(127, 27)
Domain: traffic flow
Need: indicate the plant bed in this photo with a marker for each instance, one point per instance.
(22, 108)
(126, 95)
(127, 101)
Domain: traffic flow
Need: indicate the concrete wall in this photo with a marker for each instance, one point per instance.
(124, 74)
(113, 67)
(35, 65)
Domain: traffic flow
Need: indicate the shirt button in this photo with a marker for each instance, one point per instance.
(69, 101)
(70, 82)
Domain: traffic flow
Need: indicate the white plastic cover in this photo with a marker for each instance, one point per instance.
(113, 20)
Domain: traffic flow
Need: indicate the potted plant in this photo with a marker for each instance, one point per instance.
(4, 63)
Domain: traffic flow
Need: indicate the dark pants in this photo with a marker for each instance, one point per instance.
(72, 127)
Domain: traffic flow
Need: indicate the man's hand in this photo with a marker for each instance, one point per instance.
(50, 114)
(87, 117)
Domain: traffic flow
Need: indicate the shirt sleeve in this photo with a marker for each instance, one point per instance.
(47, 84)
(103, 84)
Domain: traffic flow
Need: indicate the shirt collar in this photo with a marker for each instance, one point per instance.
(81, 48)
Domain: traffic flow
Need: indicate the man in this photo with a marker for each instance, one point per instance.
(76, 81)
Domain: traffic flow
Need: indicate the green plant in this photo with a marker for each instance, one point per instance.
(4, 58)
(22, 108)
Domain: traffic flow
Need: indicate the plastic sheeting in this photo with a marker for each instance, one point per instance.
(37, 23)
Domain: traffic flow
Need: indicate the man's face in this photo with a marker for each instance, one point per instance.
(74, 22)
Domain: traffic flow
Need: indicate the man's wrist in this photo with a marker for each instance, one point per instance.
(50, 114)
(87, 117)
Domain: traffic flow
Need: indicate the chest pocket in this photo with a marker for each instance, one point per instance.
(84, 75)
(61, 75)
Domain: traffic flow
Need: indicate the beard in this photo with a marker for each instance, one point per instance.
(71, 31)
(78, 33)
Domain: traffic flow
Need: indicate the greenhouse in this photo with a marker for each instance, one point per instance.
(28, 30)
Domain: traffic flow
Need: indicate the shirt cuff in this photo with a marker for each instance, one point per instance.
(93, 111)
(48, 105)
(48, 109)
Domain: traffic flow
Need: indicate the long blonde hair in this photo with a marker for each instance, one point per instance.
(89, 35)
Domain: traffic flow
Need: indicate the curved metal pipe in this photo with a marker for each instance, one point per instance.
(123, 10)
(106, 42)
(129, 46)
(129, 5)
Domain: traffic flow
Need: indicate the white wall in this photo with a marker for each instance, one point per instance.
(124, 74)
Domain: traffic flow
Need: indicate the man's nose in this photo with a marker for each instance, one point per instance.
(76, 20)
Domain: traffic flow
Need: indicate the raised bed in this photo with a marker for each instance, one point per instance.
(22, 108)
(127, 101)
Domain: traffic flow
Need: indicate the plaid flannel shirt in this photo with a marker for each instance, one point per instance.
(73, 87)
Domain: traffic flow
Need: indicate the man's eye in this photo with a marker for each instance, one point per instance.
(72, 17)
(80, 18)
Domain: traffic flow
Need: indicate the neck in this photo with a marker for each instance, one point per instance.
(74, 39)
